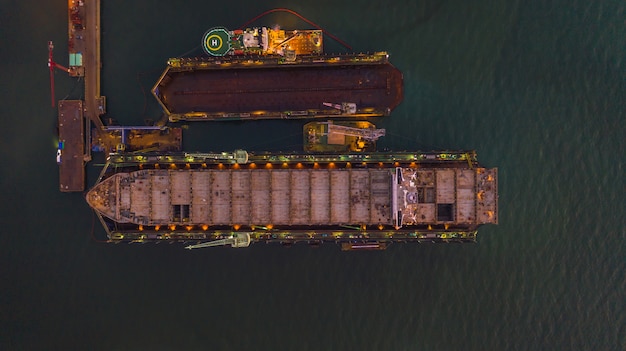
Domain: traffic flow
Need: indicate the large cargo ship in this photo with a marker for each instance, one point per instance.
(240, 87)
(360, 200)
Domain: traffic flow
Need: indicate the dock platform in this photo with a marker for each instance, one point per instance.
(94, 102)
(71, 146)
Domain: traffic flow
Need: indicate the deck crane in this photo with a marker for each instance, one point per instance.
(345, 107)
(365, 134)
(52, 65)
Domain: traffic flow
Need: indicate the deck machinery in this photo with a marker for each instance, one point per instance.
(360, 200)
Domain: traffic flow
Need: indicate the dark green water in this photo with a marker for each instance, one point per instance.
(537, 89)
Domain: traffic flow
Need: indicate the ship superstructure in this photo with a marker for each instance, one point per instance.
(358, 199)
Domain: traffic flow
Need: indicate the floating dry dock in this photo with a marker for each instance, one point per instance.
(271, 86)
(361, 200)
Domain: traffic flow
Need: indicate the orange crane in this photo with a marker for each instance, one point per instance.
(52, 65)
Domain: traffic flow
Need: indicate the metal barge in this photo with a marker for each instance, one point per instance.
(359, 200)
(275, 87)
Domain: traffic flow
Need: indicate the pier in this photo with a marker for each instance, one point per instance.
(94, 102)
(84, 54)
(71, 153)
(84, 61)
(76, 118)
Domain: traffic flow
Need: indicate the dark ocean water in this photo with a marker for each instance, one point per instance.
(539, 90)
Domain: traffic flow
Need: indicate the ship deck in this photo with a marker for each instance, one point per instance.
(279, 91)
(248, 197)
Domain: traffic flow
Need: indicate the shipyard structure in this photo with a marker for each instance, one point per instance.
(338, 190)
(261, 73)
(270, 87)
(360, 200)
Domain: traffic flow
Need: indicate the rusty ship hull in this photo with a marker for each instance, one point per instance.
(271, 87)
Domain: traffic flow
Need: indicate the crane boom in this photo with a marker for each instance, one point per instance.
(51, 66)
(235, 240)
(367, 134)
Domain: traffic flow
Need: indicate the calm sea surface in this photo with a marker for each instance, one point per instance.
(539, 90)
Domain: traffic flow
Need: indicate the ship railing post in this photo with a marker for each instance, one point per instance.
(394, 198)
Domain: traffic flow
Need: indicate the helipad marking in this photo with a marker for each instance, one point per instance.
(214, 42)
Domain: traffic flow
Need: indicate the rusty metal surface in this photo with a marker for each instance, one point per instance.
(375, 88)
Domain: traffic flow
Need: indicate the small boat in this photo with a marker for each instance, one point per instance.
(341, 136)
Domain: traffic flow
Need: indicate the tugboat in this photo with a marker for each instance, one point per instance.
(341, 136)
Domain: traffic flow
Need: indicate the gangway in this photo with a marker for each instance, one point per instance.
(238, 156)
(237, 240)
